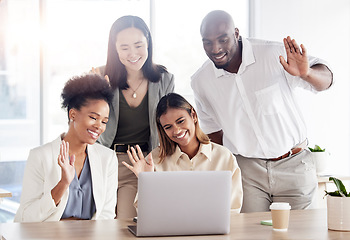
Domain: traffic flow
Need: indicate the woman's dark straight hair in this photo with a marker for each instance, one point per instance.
(115, 69)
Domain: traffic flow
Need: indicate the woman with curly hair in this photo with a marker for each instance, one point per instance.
(72, 177)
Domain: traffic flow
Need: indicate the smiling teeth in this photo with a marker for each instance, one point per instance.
(93, 133)
(134, 61)
(181, 135)
(219, 57)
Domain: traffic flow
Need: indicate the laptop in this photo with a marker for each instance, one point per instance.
(183, 203)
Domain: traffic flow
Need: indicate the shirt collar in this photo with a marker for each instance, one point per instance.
(204, 149)
(177, 154)
(247, 59)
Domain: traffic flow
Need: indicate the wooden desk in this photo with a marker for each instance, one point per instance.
(5, 193)
(304, 224)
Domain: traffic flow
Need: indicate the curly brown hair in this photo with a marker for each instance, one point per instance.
(79, 89)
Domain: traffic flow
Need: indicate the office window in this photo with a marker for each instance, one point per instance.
(19, 79)
(42, 45)
(19, 94)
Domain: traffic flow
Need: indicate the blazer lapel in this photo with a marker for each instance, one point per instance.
(153, 89)
(153, 99)
(97, 178)
(108, 135)
(55, 147)
(115, 104)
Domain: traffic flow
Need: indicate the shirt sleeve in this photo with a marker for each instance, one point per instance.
(237, 190)
(206, 122)
(298, 82)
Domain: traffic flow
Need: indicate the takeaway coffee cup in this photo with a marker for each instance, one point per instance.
(280, 215)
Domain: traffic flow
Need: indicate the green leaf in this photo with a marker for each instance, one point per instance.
(334, 194)
(339, 184)
(317, 149)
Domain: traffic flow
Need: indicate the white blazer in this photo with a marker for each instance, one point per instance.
(42, 173)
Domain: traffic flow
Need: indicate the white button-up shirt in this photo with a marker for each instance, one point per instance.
(256, 108)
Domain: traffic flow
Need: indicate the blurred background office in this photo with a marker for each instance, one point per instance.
(45, 42)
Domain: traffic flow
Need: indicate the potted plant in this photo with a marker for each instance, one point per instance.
(338, 207)
(317, 149)
(320, 157)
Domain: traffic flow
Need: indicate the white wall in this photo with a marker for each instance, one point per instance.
(324, 28)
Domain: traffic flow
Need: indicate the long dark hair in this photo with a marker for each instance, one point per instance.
(115, 69)
(176, 101)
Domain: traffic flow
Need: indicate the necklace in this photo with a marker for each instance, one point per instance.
(134, 91)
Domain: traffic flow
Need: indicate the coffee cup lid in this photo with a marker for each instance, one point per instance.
(280, 206)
